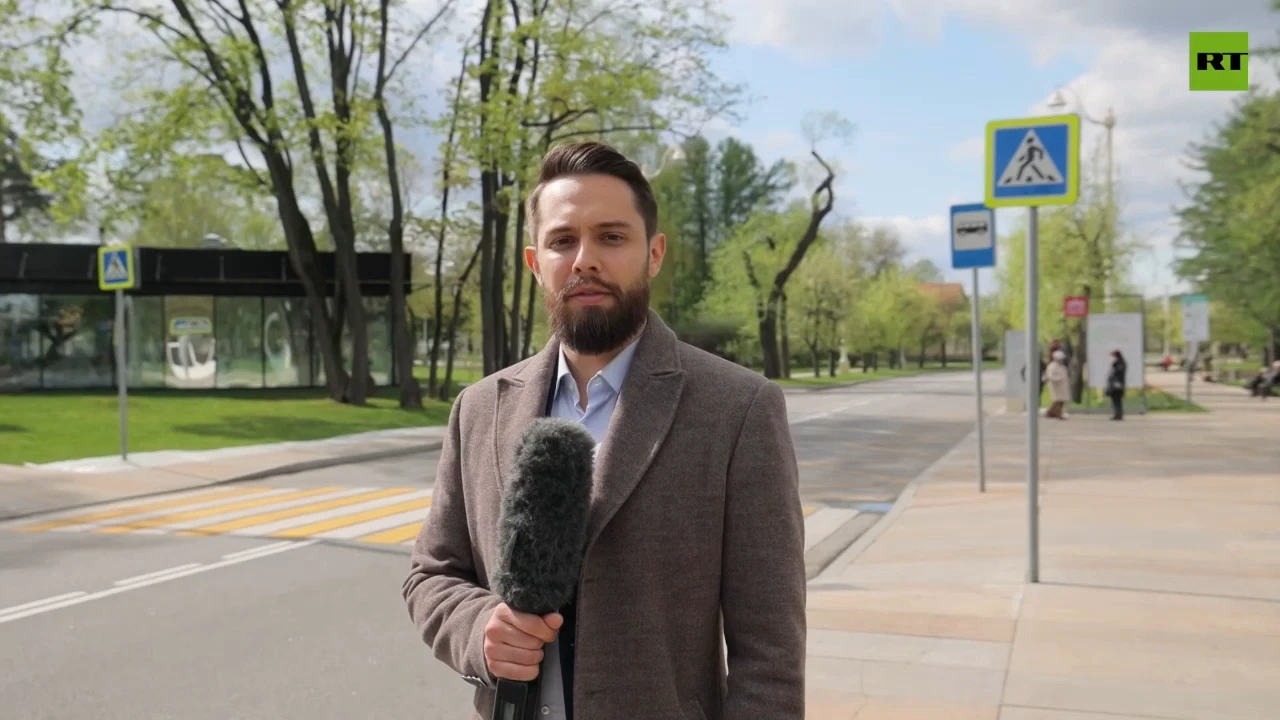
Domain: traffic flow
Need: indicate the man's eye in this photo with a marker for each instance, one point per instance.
(613, 237)
(561, 241)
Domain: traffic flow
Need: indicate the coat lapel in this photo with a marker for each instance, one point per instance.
(641, 419)
(521, 399)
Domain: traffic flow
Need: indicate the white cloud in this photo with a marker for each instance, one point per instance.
(923, 237)
(812, 29)
(1137, 52)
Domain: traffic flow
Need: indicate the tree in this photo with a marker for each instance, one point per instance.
(38, 113)
(703, 199)
(1231, 223)
(820, 299)
(891, 311)
(198, 197)
(924, 270)
(1080, 249)
(246, 78)
(773, 288)
(883, 250)
(20, 195)
(557, 70)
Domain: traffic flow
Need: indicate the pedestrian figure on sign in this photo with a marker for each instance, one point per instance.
(1059, 385)
(691, 599)
(1116, 384)
(1034, 153)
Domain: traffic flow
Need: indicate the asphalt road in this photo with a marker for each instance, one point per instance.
(135, 626)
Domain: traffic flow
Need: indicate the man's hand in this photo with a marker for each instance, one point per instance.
(513, 642)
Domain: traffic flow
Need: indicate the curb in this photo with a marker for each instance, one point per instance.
(286, 469)
(865, 540)
(829, 548)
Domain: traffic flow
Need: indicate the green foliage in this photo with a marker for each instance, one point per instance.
(891, 313)
(200, 196)
(1079, 249)
(1231, 222)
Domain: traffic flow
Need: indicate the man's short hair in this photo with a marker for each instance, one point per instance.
(594, 158)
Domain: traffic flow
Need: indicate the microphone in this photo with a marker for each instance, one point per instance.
(542, 534)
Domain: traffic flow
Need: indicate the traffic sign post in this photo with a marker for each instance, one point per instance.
(973, 245)
(1195, 330)
(1033, 162)
(1075, 306)
(117, 272)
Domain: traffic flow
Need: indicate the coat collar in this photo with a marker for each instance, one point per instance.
(645, 409)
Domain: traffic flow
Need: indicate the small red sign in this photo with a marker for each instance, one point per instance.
(1075, 307)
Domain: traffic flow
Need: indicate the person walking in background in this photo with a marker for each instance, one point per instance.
(1059, 384)
(1115, 384)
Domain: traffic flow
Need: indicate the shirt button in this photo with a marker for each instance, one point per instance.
(546, 709)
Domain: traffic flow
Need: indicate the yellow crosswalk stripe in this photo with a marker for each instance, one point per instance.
(318, 527)
(102, 515)
(394, 536)
(211, 511)
(264, 518)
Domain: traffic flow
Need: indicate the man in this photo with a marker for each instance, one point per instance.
(695, 527)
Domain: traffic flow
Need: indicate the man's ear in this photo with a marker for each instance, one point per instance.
(531, 261)
(657, 251)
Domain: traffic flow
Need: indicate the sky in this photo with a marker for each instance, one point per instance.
(919, 79)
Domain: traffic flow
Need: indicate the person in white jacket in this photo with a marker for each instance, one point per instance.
(1059, 384)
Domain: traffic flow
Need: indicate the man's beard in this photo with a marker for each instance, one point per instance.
(596, 329)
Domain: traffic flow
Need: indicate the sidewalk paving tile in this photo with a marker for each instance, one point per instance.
(1160, 578)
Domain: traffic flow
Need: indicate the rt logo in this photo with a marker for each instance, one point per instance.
(1219, 61)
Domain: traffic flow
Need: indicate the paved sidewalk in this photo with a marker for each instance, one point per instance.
(26, 490)
(1159, 593)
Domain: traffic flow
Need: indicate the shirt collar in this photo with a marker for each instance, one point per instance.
(614, 373)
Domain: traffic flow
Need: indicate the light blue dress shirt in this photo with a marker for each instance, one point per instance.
(602, 398)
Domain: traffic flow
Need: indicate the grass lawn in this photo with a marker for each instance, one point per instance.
(50, 426)
(853, 377)
(1157, 401)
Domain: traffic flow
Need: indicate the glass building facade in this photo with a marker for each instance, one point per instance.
(181, 340)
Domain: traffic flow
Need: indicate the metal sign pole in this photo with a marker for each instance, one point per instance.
(973, 246)
(1192, 356)
(1033, 396)
(976, 343)
(122, 375)
(1033, 162)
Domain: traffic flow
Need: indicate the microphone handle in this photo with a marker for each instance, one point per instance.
(516, 700)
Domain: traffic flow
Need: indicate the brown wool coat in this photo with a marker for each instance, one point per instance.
(695, 515)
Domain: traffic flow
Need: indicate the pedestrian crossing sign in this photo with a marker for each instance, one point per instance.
(117, 269)
(1033, 161)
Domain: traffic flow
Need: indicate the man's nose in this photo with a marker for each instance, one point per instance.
(587, 260)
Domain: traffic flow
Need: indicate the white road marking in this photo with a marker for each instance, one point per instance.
(256, 549)
(263, 529)
(149, 514)
(56, 603)
(377, 525)
(37, 603)
(157, 573)
(266, 508)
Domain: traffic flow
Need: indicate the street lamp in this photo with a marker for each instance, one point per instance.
(1109, 123)
(673, 153)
